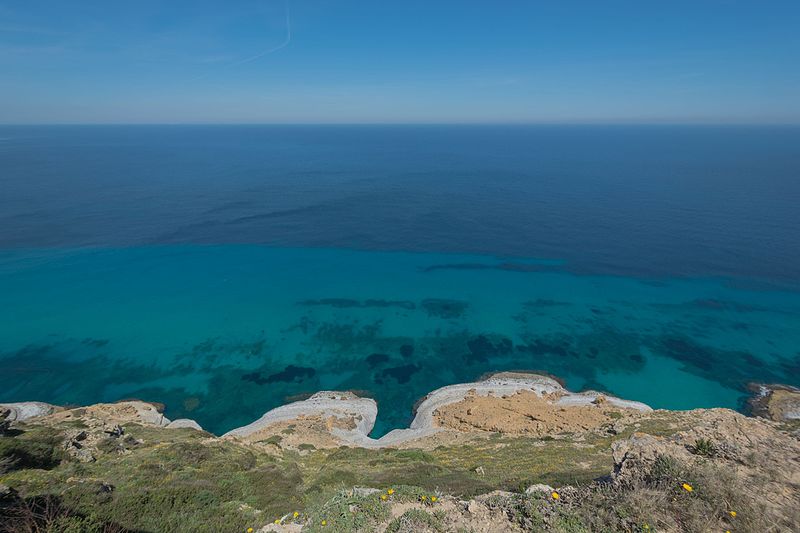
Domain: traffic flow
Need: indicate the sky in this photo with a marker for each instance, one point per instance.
(409, 61)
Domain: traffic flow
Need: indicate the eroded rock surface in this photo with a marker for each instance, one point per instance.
(775, 402)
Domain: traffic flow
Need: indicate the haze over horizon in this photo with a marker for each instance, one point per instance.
(276, 61)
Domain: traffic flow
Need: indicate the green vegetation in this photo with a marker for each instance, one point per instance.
(417, 520)
(705, 448)
(38, 448)
(152, 480)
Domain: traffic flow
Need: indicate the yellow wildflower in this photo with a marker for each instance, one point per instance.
(277, 521)
(687, 487)
(390, 492)
(423, 498)
(433, 498)
(383, 497)
(733, 514)
(295, 514)
(324, 522)
(555, 495)
(250, 530)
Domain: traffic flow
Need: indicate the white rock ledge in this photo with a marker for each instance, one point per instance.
(25, 410)
(184, 423)
(363, 411)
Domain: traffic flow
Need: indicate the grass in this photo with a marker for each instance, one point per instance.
(507, 464)
(347, 511)
(704, 447)
(32, 449)
(417, 520)
(156, 480)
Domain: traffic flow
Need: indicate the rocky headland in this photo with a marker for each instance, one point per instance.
(512, 452)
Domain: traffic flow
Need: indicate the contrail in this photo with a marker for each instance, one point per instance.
(267, 52)
(284, 44)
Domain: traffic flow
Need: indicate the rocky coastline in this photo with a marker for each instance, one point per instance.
(482, 449)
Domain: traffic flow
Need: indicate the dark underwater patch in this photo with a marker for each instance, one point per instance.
(95, 343)
(730, 368)
(304, 325)
(344, 303)
(752, 360)
(376, 359)
(792, 368)
(70, 372)
(713, 304)
(401, 374)
(442, 308)
(349, 338)
(722, 305)
(689, 352)
(209, 352)
(508, 266)
(483, 347)
(543, 302)
(541, 346)
(291, 373)
(406, 350)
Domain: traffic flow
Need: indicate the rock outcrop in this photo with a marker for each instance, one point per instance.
(331, 419)
(775, 402)
(21, 411)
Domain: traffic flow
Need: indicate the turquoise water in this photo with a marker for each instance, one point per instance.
(223, 333)
(211, 267)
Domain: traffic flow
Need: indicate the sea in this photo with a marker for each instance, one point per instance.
(226, 270)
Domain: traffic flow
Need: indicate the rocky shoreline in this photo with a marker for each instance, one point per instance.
(511, 452)
(350, 418)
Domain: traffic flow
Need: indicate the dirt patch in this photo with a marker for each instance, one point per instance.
(527, 413)
(305, 433)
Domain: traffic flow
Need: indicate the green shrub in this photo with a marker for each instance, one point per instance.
(346, 512)
(417, 520)
(704, 447)
(18, 453)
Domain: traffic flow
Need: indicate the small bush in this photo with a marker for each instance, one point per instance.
(18, 453)
(665, 470)
(704, 447)
(415, 520)
(347, 512)
(49, 515)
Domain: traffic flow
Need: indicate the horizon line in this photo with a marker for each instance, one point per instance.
(391, 123)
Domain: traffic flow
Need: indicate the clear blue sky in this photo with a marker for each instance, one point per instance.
(399, 61)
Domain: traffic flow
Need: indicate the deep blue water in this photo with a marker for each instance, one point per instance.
(224, 270)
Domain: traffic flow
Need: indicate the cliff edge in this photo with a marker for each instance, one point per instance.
(512, 452)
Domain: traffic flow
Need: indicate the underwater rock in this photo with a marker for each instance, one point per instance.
(402, 374)
(406, 350)
(441, 308)
(95, 343)
(291, 373)
(689, 352)
(344, 303)
(376, 359)
(540, 346)
(484, 347)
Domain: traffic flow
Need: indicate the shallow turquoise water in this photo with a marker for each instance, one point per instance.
(223, 333)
